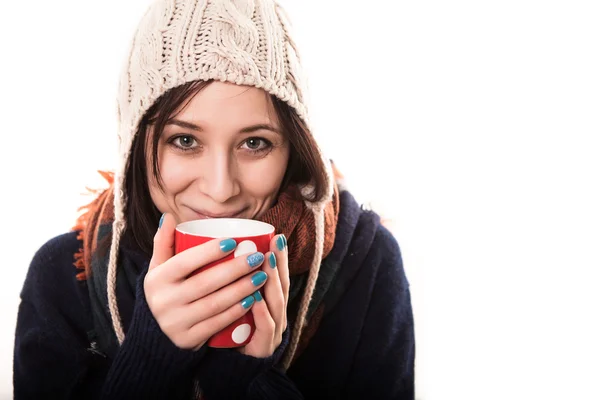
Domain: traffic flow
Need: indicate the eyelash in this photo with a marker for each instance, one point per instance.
(267, 149)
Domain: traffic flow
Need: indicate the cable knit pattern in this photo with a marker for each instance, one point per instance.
(241, 41)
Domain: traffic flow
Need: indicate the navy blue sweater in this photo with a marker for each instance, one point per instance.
(364, 347)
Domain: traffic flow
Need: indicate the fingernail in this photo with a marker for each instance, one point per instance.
(162, 218)
(254, 260)
(281, 242)
(272, 260)
(258, 278)
(247, 302)
(258, 296)
(284, 240)
(227, 245)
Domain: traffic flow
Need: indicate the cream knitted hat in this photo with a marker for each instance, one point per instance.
(246, 42)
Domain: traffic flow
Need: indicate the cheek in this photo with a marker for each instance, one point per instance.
(263, 179)
(174, 172)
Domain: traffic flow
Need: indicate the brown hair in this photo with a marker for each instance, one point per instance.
(304, 164)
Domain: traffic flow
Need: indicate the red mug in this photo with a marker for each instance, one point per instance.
(251, 236)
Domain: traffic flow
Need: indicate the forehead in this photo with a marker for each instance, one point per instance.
(221, 101)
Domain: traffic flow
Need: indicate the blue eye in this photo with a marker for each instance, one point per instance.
(184, 142)
(257, 145)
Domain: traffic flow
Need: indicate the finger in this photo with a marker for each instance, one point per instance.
(273, 292)
(200, 332)
(222, 275)
(280, 248)
(186, 262)
(164, 241)
(219, 301)
(264, 322)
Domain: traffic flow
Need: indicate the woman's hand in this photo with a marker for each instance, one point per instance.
(191, 308)
(270, 316)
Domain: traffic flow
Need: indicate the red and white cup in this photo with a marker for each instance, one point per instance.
(251, 236)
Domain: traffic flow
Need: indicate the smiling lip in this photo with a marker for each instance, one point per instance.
(206, 215)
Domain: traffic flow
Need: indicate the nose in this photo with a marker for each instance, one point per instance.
(219, 177)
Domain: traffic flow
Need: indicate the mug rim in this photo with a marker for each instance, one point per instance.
(217, 227)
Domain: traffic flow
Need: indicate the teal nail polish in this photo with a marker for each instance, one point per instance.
(272, 260)
(258, 278)
(258, 296)
(247, 302)
(284, 240)
(254, 260)
(281, 242)
(162, 218)
(227, 245)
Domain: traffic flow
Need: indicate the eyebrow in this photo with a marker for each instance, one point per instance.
(248, 129)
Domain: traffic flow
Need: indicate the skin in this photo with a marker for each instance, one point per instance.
(230, 165)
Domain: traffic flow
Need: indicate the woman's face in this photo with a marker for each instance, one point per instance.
(223, 155)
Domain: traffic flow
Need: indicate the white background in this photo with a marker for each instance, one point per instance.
(474, 125)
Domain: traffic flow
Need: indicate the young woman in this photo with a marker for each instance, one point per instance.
(213, 124)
